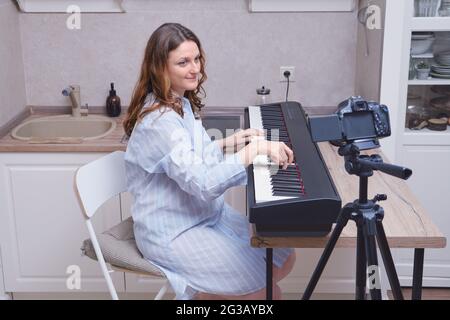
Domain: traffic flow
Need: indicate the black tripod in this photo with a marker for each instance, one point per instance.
(368, 217)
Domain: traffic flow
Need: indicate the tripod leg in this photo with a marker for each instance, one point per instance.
(388, 261)
(361, 263)
(340, 224)
(372, 260)
(269, 273)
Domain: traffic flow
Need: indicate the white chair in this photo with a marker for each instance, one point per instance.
(96, 183)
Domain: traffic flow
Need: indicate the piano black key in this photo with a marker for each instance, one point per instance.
(287, 170)
(298, 190)
(285, 188)
(292, 192)
(290, 168)
(279, 189)
(273, 126)
(283, 172)
(278, 136)
(270, 113)
(280, 183)
(286, 184)
(285, 175)
(265, 110)
(276, 132)
(286, 193)
(293, 183)
(272, 119)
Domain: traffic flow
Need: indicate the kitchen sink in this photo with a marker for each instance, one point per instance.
(64, 128)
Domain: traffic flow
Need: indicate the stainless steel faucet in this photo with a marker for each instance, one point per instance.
(73, 91)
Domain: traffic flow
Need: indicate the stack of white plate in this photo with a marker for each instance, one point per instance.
(443, 58)
(442, 69)
(445, 8)
(427, 8)
(439, 71)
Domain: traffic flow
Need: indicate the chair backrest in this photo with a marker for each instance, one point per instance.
(100, 180)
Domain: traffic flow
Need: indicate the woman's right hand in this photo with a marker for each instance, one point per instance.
(277, 151)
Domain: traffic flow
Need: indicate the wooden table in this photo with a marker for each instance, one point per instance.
(406, 222)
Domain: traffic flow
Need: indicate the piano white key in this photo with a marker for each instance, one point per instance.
(263, 188)
(261, 160)
(255, 118)
(261, 172)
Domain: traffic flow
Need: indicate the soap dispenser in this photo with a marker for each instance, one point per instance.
(113, 107)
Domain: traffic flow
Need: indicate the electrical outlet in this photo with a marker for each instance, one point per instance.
(291, 69)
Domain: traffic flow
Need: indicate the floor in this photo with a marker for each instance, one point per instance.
(427, 294)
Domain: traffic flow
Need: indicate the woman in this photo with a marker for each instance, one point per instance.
(177, 176)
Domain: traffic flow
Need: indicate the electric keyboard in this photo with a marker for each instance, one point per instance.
(301, 200)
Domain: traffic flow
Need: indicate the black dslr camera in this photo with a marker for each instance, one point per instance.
(355, 121)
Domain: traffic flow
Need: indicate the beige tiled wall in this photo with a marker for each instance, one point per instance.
(244, 51)
(368, 68)
(12, 80)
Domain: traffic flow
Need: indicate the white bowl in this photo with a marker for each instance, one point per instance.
(420, 46)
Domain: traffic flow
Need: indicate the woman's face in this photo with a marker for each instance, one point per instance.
(183, 67)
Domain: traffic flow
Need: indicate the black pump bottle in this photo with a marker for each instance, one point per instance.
(113, 107)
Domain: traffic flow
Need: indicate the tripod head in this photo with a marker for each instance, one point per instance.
(363, 165)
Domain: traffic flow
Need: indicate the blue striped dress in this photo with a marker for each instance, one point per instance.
(177, 177)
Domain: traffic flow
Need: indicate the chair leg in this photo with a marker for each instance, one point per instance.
(101, 260)
(111, 289)
(163, 290)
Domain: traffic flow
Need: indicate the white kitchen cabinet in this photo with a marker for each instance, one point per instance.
(42, 226)
(3, 294)
(41, 223)
(301, 6)
(64, 6)
(431, 184)
(426, 152)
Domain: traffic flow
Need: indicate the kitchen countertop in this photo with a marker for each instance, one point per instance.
(112, 142)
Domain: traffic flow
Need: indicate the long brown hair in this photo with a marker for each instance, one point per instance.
(153, 77)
